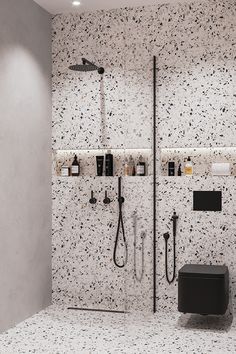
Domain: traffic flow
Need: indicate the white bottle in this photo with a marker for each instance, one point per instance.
(131, 166)
(141, 167)
(65, 171)
(188, 168)
(126, 167)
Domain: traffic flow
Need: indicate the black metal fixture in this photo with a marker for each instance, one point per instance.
(87, 66)
(106, 200)
(92, 200)
(203, 289)
(95, 310)
(120, 225)
(154, 184)
(207, 200)
(166, 236)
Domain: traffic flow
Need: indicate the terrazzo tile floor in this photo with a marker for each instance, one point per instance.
(61, 331)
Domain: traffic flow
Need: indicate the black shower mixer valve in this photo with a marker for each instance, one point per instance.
(106, 200)
(92, 200)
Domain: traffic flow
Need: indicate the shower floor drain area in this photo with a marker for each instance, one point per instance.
(58, 330)
(95, 310)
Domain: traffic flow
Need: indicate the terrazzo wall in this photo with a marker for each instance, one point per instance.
(83, 269)
(195, 48)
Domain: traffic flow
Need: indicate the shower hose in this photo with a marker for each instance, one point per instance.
(120, 226)
(166, 237)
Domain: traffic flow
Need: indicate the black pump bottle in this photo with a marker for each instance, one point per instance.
(109, 163)
(75, 167)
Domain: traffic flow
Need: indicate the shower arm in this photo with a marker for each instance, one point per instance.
(85, 61)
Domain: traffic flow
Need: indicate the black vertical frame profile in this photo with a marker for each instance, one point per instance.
(154, 183)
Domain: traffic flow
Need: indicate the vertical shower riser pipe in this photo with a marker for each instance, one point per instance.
(154, 184)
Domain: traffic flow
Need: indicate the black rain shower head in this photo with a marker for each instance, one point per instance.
(82, 68)
(87, 66)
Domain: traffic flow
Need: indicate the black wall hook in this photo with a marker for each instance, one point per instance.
(92, 200)
(106, 200)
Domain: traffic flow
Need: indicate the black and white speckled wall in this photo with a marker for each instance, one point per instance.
(195, 49)
(83, 241)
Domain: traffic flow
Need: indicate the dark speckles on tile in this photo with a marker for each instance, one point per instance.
(195, 48)
(60, 331)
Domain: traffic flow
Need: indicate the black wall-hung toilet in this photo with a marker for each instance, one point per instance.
(203, 289)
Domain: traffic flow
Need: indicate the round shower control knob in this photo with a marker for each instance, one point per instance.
(106, 200)
(92, 200)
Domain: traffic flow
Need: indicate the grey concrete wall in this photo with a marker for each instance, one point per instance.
(25, 190)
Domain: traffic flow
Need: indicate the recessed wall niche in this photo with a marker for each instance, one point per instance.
(202, 159)
(87, 160)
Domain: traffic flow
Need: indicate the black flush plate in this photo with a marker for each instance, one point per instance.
(207, 200)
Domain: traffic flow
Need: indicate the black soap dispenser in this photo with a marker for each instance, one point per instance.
(179, 170)
(171, 168)
(75, 167)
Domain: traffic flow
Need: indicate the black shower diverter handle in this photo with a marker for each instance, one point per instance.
(92, 200)
(106, 200)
